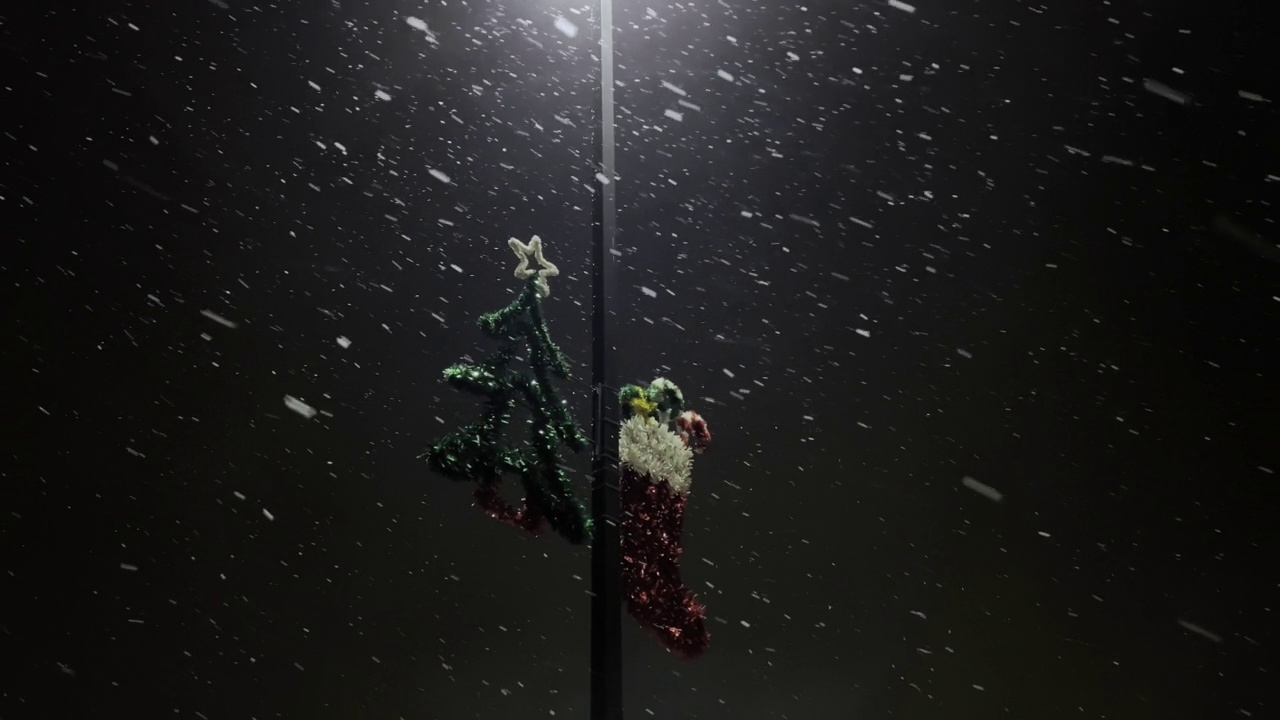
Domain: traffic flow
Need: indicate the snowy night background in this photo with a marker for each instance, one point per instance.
(980, 299)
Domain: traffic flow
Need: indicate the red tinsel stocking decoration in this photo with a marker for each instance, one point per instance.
(652, 521)
(655, 485)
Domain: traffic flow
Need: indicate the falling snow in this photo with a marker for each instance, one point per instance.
(1206, 634)
(299, 407)
(566, 28)
(886, 250)
(219, 319)
(982, 489)
(674, 88)
(421, 26)
(1164, 91)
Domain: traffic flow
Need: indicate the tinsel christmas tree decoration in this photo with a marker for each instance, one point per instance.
(657, 443)
(479, 451)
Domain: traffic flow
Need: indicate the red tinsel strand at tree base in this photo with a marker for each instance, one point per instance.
(652, 522)
(526, 518)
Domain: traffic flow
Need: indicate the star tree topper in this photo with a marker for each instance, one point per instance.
(545, 268)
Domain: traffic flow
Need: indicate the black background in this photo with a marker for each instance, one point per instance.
(1066, 291)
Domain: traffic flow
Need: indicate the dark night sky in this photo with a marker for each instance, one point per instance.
(881, 250)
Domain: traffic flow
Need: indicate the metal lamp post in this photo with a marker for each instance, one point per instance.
(606, 560)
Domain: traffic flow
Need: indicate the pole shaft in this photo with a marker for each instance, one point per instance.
(606, 560)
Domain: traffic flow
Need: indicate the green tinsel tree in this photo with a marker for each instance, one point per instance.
(479, 452)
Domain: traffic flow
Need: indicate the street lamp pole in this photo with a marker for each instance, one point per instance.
(606, 560)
